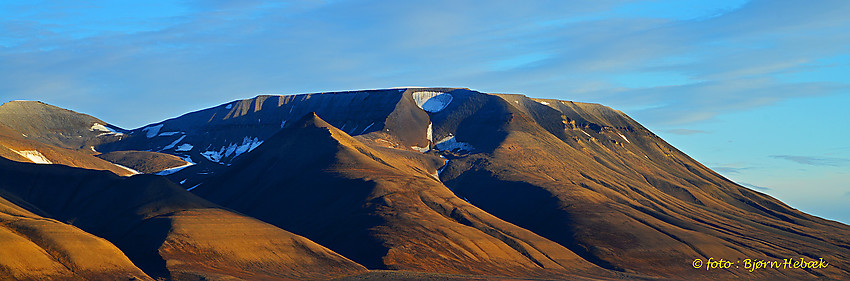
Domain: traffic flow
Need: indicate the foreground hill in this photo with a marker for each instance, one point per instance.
(33, 247)
(163, 229)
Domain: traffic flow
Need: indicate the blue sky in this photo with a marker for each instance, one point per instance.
(757, 90)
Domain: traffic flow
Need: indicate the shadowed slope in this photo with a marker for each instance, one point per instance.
(37, 248)
(375, 209)
(167, 231)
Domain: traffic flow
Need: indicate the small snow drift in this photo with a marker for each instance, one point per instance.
(34, 156)
(174, 170)
(131, 171)
(152, 131)
(184, 147)
(234, 149)
(432, 101)
(451, 144)
(104, 129)
(171, 145)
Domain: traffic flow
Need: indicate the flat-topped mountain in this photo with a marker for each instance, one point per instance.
(430, 180)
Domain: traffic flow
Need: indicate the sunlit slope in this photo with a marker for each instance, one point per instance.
(15, 146)
(57, 126)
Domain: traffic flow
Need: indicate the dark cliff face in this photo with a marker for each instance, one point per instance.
(456, 181)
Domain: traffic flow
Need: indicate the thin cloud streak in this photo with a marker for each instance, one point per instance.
(754, 186)
(815, 161)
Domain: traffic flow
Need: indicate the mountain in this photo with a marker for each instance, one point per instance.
(413, 183)
(166, 231)
(591, 179)
(386, 209)
(214, 137)
(57, 126)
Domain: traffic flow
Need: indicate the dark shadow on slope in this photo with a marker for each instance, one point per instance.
(526, 205)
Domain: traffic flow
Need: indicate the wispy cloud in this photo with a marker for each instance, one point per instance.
(178, 58)
(728, 169)
(815, 161)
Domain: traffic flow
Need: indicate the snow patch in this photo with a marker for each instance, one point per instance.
(188, 189)
(430, 133)
(34, 156)
(543, 102)
(165, 134)
(432, 101)
(132, 172)
(585, 133)
(420, 149)
(183, 181)
(451, 144)
(188, 159)
(234, 149)
(367, 127)
(440, 171)
(174, 169)
(212, 155)
(106, 130)
(152, 131)
(282, 124)
(170, 146)
(184, 147)
(229, 106)
(624, 137)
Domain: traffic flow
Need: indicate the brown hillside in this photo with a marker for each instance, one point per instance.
(37, 248)
(57, 126)
(166, 231)
(14, 146)
(145, 162)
